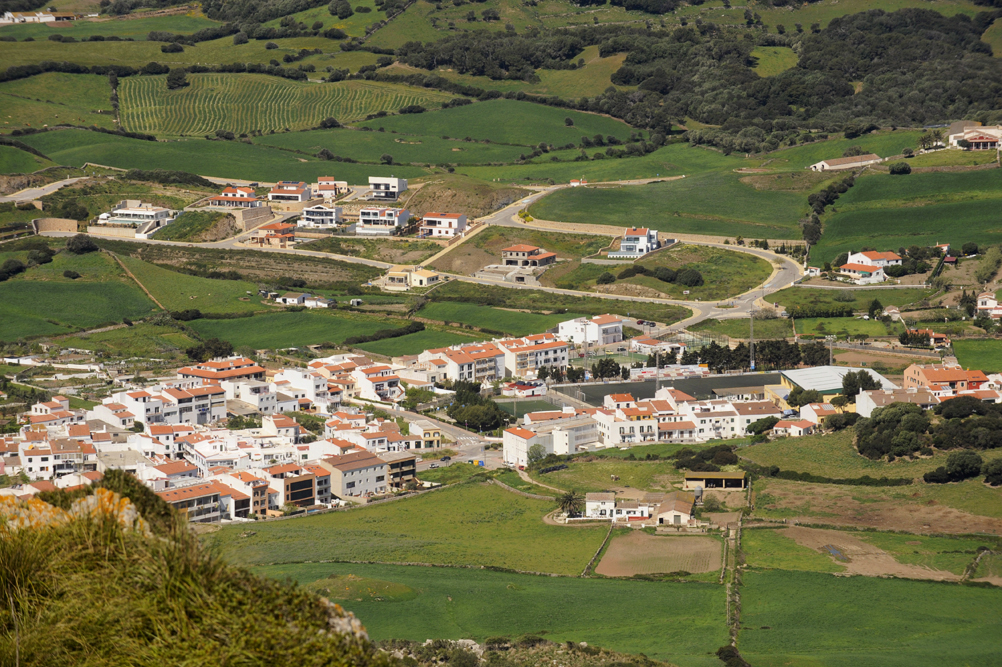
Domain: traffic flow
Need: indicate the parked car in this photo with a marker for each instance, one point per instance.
(445, 458)
(433, 465)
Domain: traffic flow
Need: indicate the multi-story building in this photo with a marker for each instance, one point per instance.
(132, 212)
(382, 221)
(637, 242)
(236, 197)
(199, 503)
(357, 474)
(873, 258)
(378, 383)
(295, 484)
(230, 368)
(442, 225)
(598, 330)
(401, 468)
(386, 189)
(523, 357)
(938, 377)
(321, 215)
(329, 188)
(290, 191)
(527, 256)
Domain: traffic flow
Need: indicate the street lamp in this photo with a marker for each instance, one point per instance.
(831, 340)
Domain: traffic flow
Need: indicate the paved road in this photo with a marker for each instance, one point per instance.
(30, 194)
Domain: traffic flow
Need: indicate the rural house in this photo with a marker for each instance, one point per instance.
(290, 191)
(841, 163)
(530, 256)
(873, 258)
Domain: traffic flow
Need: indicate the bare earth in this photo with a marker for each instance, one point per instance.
(863, 558)
(640, 553)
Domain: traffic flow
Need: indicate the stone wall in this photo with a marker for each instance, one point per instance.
(54, 225)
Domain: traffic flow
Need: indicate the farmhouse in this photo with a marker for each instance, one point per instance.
(523, 255)
(600, 505)
(841, 163)
(637, 242)
(236, 197)
(676, 509)
(598, 330)
(291, 191)
(863, 274)
(386, 189)
(937, 377)
(988, 305)
(442, 225)
(36, 17)
(976, 136)
(321, 215)
(817, 413)
(936, 340)
(403, 278)
(793, 429)
(382, 221)
(872, 258)
(292, 298)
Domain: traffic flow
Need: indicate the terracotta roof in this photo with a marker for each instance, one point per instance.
(521, 247)
(859, 268)
(525, 434)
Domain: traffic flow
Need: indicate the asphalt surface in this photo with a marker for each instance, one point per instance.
(31, 194)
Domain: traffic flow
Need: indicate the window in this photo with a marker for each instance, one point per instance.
(380, 478)
(350, 485)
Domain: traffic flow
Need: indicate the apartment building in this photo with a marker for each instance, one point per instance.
(598, 330)
(230, 368)
(357, 474)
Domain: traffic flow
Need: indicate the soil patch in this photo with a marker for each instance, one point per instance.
(640, 553)
(858, 557)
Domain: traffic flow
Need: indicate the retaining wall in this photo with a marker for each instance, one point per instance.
(40, 225)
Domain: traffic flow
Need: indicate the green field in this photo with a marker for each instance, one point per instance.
(779, 327)
(509, 322)
(449, 603)
(887, 212)
(985, 355)
(462, 524)
(792, 297)
(506, 122)
(485, 248)
(717, 204)
(132, 26)
(224, 159)
(773, 60)
(951, 554)
(417, 342)
(179, 291)
(371, 146)
(766, 548)
(282, 329)
(139, 340)
(354, 25)
(54, 98)
(243, 103)
(15, 161)
(596, 475)
(883, 143)
(519, 408)
(846, 326)
(189, 226)
(807, 618)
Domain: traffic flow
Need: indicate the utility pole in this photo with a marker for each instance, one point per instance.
(751, 336)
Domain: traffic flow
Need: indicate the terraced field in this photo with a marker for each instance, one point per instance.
(242, 103)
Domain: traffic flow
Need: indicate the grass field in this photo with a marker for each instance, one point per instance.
(485, 248)
(54, 98)
(506, 122)
(883, 143)
(983, 354)
(631, 616)
(993, 37)
(371, 146)
(807, 618)
(846, 326)
(460, 525)
(15, 161)
(766, 548)
(717, 204)
(511, 478)
(779, 327)
(385, 250)
(834, 456)
(640, 553)
(134, 27)
(282, 329)
(242, 103)
(225, 159)
(417, 342)
(139, 340)
(887, 212)
(589, 476)
(189, 226)
(179, 291)
(450, 474)
(519, 408)
(353, 25)
(802, 296)
(773, 60)
(509, 322)
(939, 553)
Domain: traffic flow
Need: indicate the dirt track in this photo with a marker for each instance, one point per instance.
(863, 558)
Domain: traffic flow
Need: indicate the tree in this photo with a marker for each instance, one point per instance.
(329, 123)
(605, 368)
(177, 78)
(570, 503)
(569, 122)
(762, 425)
(993, 472)
(340, 9)
(963, 465)
(325, 154)
(875, 309)
(839, 402)
(689, 278)
(814, 354)
(81, 244)
(853, 383)
(543, 373)
(536, 454)
(386, 158)
(240, 38)
(71, 274)
(209, 349)
(605, 279)
(901, 169)
(799, 397)
(969, 248)
(575, 374)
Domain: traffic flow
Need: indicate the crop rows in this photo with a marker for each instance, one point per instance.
(241, 103)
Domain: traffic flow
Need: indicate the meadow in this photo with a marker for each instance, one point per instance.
(983, 354)
(846, 326)
(506, 122)
(54, 98)
(284, 329)
(588, 476)
(416, 343)
(354, 25)
(779, 327)
(223, 159)
(717, 204)
(448, 603)
(16, 161)
(773, 60)
(809, 618)
(463, 524)
(793, 297)
(243, 103)
(888, 212)
(135, 27)
(371, 146)
(139, 340)
(767, 548)
(883, 143)
(952, 554)
(496, 319)
(385, 250)
(179, 291)
(189, 226)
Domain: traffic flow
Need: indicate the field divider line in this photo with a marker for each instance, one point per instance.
(131, 275)
(601, 548)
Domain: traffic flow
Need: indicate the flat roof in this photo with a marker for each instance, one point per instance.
(715, 475)
(829, 378)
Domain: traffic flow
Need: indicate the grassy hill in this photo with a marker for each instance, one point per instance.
(54, 98)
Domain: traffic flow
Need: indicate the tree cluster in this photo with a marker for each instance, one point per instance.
(705, 460)
(209, 349)
(473, 410)
(382, 334)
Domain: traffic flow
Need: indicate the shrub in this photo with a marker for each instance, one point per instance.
(993, 472)
(963, 465)
(413, 108)
(173, 47)
(664, 274)
(901, 168)
(240, 38)
(72, 275)
(689, 278)
(271, 45)
(81, 244)
(605, 279)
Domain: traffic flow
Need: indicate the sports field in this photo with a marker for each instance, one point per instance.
(224, 159)
(459, 525)
(282, 329)
(507, 321)
(420, 603)
(640, 553)
(53, 98)
(242, 103)
(506, 122)
(717, 204)
(983, 354)
(807, 618)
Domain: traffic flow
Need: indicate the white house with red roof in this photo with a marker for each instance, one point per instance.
(236, 197)
(515, 446)
(988, 305)
(382, 221)
(330, 188)
(523, 357)
(598, 330)
(636, 242)
(874, 258)
(290, 191)
(863, 274)
(527, 256)
(442, 225)
(793, 429)
(229, 368)
(378, 383)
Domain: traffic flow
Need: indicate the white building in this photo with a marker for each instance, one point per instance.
(637, 242)
(598, 330)
(290, 191)
(137, 213)
(863, 274)
(386, 189)
(382, 221)
(236, 197)
(873, 258)
(442, 225)
(329, 188)
(988, 305)
(378, 383)
(524, 356)
(841, 163)
(978, 137)
(321, 215)
(309, 384)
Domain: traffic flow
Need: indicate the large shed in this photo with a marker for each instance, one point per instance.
(714, 480)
